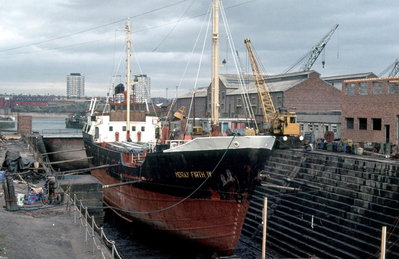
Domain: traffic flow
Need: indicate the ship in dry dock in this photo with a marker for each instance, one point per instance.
(197, 189)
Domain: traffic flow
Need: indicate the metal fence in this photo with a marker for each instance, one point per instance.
(99, 240)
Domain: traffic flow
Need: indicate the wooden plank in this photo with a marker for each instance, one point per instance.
(67, 161)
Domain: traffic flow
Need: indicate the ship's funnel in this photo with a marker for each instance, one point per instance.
(119, 89)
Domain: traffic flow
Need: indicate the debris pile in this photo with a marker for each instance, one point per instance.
(23, 169)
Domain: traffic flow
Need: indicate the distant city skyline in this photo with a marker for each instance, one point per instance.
(75, 86)
(142, 88)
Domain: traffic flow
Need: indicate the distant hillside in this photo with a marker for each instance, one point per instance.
(53, 108)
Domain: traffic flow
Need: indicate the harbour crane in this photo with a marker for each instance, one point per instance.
(275, 121)
(314, 53)
(393, 68)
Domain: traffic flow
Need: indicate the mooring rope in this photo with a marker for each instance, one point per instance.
(182, 200)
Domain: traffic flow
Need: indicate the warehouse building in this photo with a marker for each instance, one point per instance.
(316, 102)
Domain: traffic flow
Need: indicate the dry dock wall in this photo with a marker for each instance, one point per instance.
(339, 210)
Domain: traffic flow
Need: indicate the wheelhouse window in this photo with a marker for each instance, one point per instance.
(142, 128)
(97, 132)
(111, 128)
(124, 128)
(362, 123)
(133, 128)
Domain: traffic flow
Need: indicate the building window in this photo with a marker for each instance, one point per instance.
(349, 123)
(394, 87)
(302, 127)
(378, 88)
(363, 123)
(133, 128)
(376, 124)
(142, 128)
(253, 100)
(111, 128)
(350, 89)
(310, 127)
(239, 101)
(363, 89)
(124, 128)
(334, 128)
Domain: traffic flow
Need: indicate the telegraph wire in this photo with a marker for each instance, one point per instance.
(108, 24)
(111, 23)
(91, 29)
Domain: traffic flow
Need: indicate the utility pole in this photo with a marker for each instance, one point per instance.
(383, 241)
(264, 219)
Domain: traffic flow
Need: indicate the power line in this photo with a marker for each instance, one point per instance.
(92, 28)
(115, 22)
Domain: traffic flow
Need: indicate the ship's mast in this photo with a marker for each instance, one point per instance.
(215, 65)
(128, 81)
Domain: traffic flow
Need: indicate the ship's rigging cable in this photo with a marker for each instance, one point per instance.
(187, 65)
(144, 83)
(244, 92)
(173, 28)
(92, 28)
(185, 198)
(115, 69)
(199, 65)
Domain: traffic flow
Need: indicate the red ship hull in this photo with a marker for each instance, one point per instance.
(194, 219)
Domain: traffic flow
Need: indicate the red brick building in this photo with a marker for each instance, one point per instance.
(370, 110)
(316, 102)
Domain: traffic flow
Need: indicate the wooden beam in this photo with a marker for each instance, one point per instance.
(119, 184)
(63, 151)
(280, 187)
(84, 170)
(67, 161)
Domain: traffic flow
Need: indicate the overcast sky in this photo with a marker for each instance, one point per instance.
(41, 42)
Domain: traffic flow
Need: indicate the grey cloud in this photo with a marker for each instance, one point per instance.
(281, 31)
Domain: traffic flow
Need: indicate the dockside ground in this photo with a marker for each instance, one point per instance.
(46, 232)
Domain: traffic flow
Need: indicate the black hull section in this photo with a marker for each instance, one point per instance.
(226, 175)
(202, 196)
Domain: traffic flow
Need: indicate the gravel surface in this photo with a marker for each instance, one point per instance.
(42, 233)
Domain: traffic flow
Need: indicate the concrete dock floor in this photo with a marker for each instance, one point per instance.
(42, 233)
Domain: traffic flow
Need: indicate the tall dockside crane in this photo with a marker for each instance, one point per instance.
(314, 53)
(275, 121)
(393, 68)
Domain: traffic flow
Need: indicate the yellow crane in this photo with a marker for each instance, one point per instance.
(275, 121)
